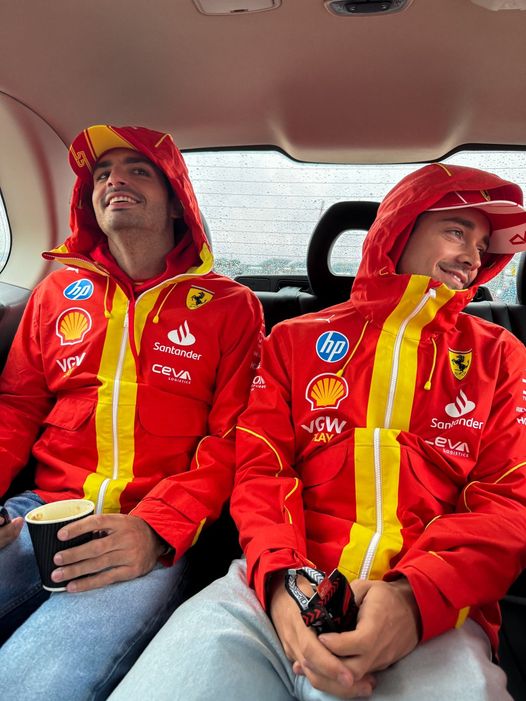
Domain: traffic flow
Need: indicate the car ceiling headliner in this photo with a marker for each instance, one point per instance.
(406, 87)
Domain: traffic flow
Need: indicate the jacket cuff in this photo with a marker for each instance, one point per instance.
(178, 533)
(275, 548)
(437, 612)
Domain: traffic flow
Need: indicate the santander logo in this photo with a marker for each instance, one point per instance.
(182, 336)
(461, 406)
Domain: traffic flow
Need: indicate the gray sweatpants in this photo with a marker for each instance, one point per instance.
(221, 645)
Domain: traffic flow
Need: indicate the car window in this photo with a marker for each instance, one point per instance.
(5, 234)
(261, 206)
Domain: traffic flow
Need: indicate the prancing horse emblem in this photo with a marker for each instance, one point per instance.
(198, 297)
(460, 362)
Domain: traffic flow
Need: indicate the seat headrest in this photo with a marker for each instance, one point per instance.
(345, 216)
(340, 217)
(483, 294)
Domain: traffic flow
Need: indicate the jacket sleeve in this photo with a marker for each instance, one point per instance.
(470, 558)
(267, 503)
(179, 506)
(25, 399)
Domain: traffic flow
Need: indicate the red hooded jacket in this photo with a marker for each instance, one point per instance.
(128, 395)
(385, 436)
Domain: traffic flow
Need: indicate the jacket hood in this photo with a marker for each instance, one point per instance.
(418, 192)
(160, 149)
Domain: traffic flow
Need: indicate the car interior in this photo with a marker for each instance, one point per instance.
(380, 87)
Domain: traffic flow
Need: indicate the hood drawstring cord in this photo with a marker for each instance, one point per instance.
(155, 319)
(342, 370)
(428, 383)
(107, 313)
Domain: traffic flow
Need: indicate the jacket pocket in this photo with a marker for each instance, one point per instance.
(323, 465)
(431, 477)
(164, 414)
(70, 413)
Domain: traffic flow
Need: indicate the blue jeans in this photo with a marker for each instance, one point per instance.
(75, 647)
(221, 645)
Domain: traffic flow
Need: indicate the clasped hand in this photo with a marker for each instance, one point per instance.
(342, 663)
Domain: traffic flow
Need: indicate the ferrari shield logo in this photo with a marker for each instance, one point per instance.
(197, 297)
(460, 362)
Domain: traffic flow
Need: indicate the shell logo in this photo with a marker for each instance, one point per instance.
(72, 325)
(326, 391)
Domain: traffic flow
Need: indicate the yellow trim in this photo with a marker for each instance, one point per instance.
(441, 165)
(207, 261)
(155, 319)
(340, 372)
(163, 137)
(198, 532)
(102, 138)
(296, 485)
(439, 557)
(195, 271)
(512, 469)
(462, 615)
(385, 524)
(435, 518)
(402, 401)
(143, 307)
(196, 454)
(127, 402)
(60, 249)
(229, 430)
(268, 443)
(64, 256)
(81, 159)
(428, 383)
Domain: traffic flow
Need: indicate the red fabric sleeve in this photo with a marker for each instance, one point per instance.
(25, 399)
(267, 501)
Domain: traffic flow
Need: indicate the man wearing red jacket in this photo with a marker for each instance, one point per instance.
(384, 438)
(124, 384)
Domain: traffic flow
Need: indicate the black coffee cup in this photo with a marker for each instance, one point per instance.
(44, 522)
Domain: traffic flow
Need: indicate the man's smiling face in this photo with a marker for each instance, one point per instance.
(447, 246)
(129, 192)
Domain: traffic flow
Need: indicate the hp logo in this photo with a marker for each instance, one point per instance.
(332, 346)
(78, 290)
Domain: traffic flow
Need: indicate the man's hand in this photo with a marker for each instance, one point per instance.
(387, 630)
(10, 531)
(129, 550)
(323, 669)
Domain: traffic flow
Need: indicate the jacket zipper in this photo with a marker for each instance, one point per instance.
(115, 409)
(373, 543)
(396, 354)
